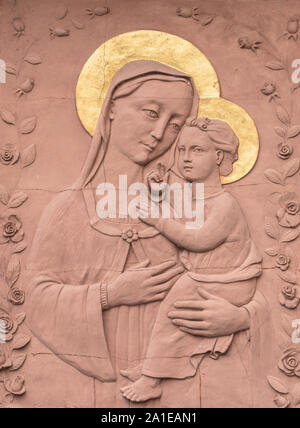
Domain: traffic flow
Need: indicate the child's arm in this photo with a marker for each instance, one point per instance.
(213, 233)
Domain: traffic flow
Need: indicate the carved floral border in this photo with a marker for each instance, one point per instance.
(14, 337)
(283, 227)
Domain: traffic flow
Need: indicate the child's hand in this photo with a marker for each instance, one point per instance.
(159, 175)
(153, 177)
(158, 182)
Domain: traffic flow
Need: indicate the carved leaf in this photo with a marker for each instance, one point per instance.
(275, 65)
(17, 199)
(19, 318)
(20, 247)
(28, 125)
(206, 19)
(17, 360)
(274, 176)
(8, 117)
(294, 131)
(10, 70)
(287, 325)
(33, 59)
(271, 252)
(61, 12)
(13, 270)
(277, 385)
(283, 115)
(77, 24)
(292, 167)
(290, 235)
(271, 228)
(28, 156)
(288, 276)
(20, 341)
(4, 196)
(280, 131)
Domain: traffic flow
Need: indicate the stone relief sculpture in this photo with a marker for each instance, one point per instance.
(94, 298)
(221, 260)
(96, 291)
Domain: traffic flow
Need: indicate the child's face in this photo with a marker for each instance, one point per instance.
(197, 155)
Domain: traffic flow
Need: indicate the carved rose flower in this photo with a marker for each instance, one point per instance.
(8, 327)
(9, 154)
(130, 235)
(289, 296)
(283, 262)
(4, 361)
(16, 385)
(10, 229)
(281, 402)
(285, 150)
(16, 296)
(290, 363)
(288, 215)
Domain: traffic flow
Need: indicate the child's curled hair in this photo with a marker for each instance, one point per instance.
(223, 137)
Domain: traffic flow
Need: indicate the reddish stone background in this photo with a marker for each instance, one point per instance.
(62, 144)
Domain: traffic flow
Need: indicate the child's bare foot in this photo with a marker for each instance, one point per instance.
(146, 388)
(132, 374)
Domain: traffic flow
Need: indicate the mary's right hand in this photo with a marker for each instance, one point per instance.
(142, 284)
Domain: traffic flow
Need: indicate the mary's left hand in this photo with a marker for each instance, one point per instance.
(210, 317)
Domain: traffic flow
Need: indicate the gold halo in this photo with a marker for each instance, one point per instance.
(171, 50)
(96, 75)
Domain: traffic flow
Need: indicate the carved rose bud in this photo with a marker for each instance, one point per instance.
(185, 12)
(293, 25)
(19, 26)
(7, 327)
(98, 11)
(268, 89)
(285, 150)
(25, 87)
(288, 214)
(11, 229)
(130, 235)
(283, 262)
(282, 402)
(59, 32)
(289, 296)
(4, 361)
(289, 363)
(16, 385)
(16, 296)
(101, 10)
(245, 43)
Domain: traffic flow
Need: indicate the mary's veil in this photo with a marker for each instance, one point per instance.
(134, 72)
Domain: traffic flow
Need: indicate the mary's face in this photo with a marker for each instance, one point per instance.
(146, 123)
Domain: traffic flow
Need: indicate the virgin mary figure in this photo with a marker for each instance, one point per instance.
(95, 285)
